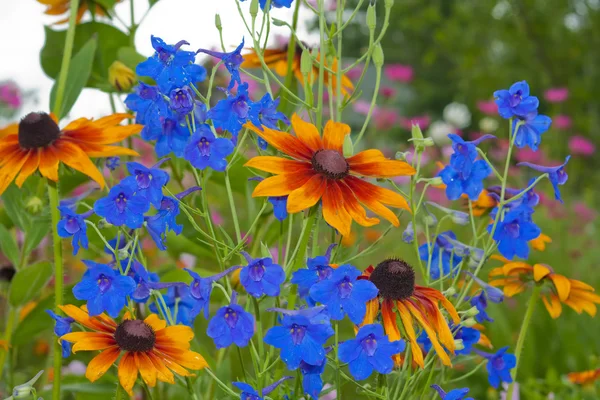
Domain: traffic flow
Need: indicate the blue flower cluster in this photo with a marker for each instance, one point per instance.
(444, 260)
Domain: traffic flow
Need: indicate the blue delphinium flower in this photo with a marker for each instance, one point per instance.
(112, 163)
(232, 113)
(343, 294)
(465, 174)
(104, 289)
(516, 101)
(514, 232)
(279, 207)
(180, 304)
(231, 324)
(370, 350)
(261, 276)
(458, 217)
(232, 62)
(163, 221)
(182, 100)
(143, 279)
(498, 366)
(480, 301)
(530, 130)
(205, 150)
(149, 105)
(201, 288)
(318, 270)
(249, 393)
(455, 394)
(62, 326)
(264, 112)
(173, 137)
(301, 337)
(73, 225)
(409, 233)
(171, 67)
(557, 175)
(148, 182)
(122, 207)
(469, 336)
(441, 255)
(312, 382)
(276, 3)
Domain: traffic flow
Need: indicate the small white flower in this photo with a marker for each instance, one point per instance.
(438, 131)
(458, 115)
(488, 125)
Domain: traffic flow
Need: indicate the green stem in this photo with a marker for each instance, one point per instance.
(236, 223)
(58, 279)
(120, 394)
(222, 385)
(261, 345)
(322, 29)
(66, 60)
(372, 107)
(522, 334)
(338, 370)
(190, 387)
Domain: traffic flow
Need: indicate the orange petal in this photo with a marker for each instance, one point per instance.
(374, 163)
(562, 285)
(281, 185)
(100, 150)
(155, 322)
(188, 359)
(99, 323)
(356, 211)
(334, 212)
(11, 168)
(181, 333)
(372, 310)
(540, 271)
(407, 322)
(163, 372)
(278, 165)
(575, 284)
(431, 333)
(49, 163)
(307, 133)
(101, 363)
(76, 158)
(30, 166)
(175, 367)
(146, 368)
(553, 306)
(377, 193)
(307, 195)
(283, 142)
(334, 134)
(389, 320)
(436, 294)
(128, 372)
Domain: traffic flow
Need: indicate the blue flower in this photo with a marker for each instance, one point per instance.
(264, 112)
(480, 301)
(249, 393)
(112, 163)
(179, 303)
(300, 338)
(499, 365)
(163, 221)
(73, 225)
(62, 326)
(122, 207)
(148, 181)
(343, 294)
(148, 104)
(514, 232)
(171, 67)
(409, 233)
(469, 336)
(516, 101)
(182, 100)
(231, 114)
(318, 269)
(231, 324)
(441, 254)
(232, 62)
(143, 279)
(465, 152)
(104, 289)
(370, 350)
(312, 383)
(205, 150)
(201, 288)
(276, 3)
(455, 394)
(279, 207)
(557, 175)
(531, 129)
(262, 276)
(173, 137)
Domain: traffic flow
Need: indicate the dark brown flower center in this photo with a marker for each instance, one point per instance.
(330, 163)
(135, 335)
(394, 278)
(37, 130)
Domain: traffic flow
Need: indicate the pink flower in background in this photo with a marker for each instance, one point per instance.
(253, 86)
(527, 155)
(422, 120)
(281, 40)
(10, 94)
(556, 95)
(581, 145)
(399, 73)
(487, 107)
(385, 118)
(354, 73)
(362, 107)
(499, 150)
(388, 92)
(583, 212)
(562, 122)
(216, 217)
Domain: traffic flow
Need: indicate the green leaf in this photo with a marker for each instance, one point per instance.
(106, 4)
(130, 57)
(109, 41)
(33, 237)
(28, 282)
(14, 203)
(9, 246)
(152, 2)
(264, 251)
(79, 74)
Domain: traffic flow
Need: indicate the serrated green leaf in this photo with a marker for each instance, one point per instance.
(8, 246)
(27, 283)
(33, 237)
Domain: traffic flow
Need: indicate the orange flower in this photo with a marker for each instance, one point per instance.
(319, 170)
(483, 204)
(37, 143)
(416, 304)
(277, 60)
(60, 7)
(539, 243)
(584, 377)
(149, 347)
(519, 275)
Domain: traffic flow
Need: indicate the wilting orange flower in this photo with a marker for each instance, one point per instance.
(277, 60)
(319, 170)
(149, 347)
(584, 377)
(37, 143)
(60, 7)
(416, 304)
(539, 243)
(520, 275)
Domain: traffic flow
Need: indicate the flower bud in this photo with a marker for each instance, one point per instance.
(400, 156)
(378, 58)
(469, 322)
(371, 18)
(123, 254)
(103, 223)
(471, 312)
(306, 65)
(409, 233)
(25, 390)
(428, 142)
(278, 22)
(254, 8)
(348, 147)
(34, 205)
(120, 76)
(451, 291)
(416, 132)
(436, 181)
(430, 220)
(388, 3)
(218, 22)
(459, 344)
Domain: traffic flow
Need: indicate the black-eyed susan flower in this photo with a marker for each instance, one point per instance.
(584, 377)
(415, 304)
(319, 171)
(120, 76)
(60, 7)
(516, 277)
(148, 347)
(37, 143)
